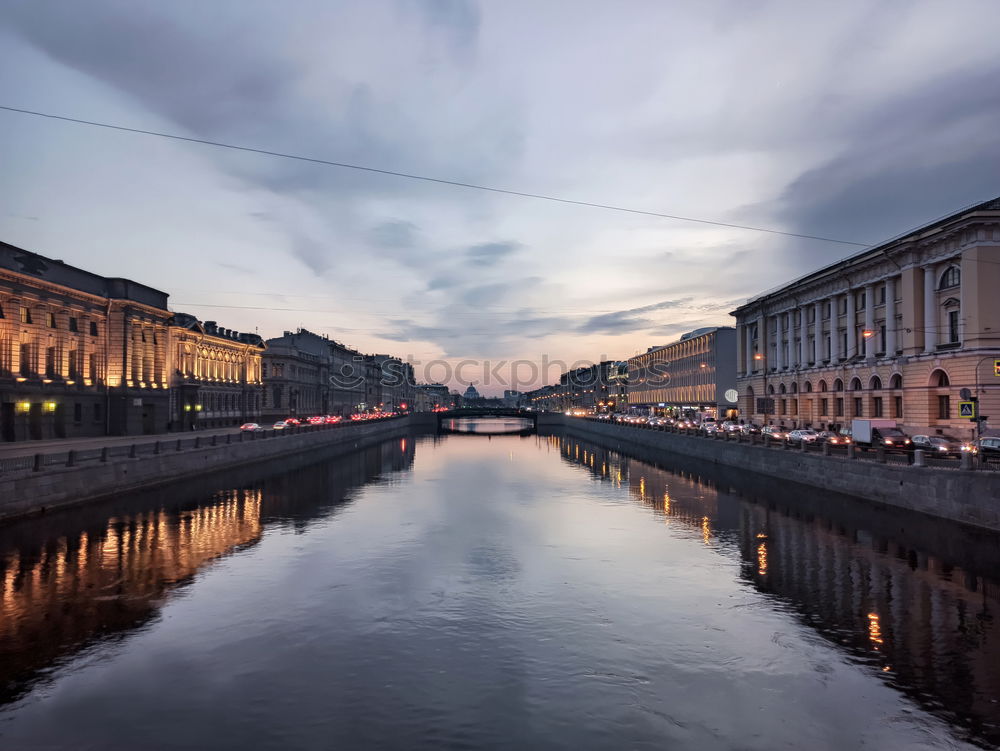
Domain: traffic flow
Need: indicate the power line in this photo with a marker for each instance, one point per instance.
(424, 178)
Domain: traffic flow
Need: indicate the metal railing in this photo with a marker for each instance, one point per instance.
(162, 445)
(853, 452)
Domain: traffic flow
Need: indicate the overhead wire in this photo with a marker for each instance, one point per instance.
(425, 178)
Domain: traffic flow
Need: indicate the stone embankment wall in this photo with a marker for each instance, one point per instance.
(29, 492)
(966, 496)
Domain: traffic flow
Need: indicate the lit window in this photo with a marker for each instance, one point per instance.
(50, 320)
(25, 315)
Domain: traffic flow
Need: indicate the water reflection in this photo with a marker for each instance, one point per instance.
(488, 426)
(924, 623)
(68, 580)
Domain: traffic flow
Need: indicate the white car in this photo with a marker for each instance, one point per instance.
(280, 425)
(805, 435)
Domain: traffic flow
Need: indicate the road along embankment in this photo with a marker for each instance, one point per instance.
(965, 496)
(52, 481)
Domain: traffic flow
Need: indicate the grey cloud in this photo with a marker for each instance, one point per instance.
(395, 234)
(626, 321)
(490, 254)
(909, 161)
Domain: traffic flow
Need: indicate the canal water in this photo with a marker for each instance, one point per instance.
(493, 592)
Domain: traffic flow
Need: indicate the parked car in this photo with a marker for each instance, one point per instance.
(331, 419)
(710, 427)
(251, 427)
(834, 439)
(291, 422)
(280, 425)
(988, 447)
(773, 432)
(316, 420)
(730, 427)
(941, 445)
(749, 428)
(804, 435)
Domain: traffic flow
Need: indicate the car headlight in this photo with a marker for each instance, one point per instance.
(942, 448)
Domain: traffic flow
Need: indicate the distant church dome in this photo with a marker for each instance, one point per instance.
(471, 393)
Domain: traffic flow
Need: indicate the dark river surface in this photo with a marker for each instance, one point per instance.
(500, 592)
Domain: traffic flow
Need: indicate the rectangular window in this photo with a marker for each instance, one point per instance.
(25, 315)
(795, 406)
(824, 406)
(77, 413)
(858, 407)
(74, 364)
(842, 307)
(27, 366)
(881, 339)
(784, 406)
(93, 328)
(50, 320)
(953, 326)
(92, 368)
(826, 312)
(944, 407)
(860, 301)
(72, 325)
(898, 407)
(828, 349)
(877, 406)
(1, 310)
(97, 413)
(881, 295)
(50, 362)
(843, 345)
(840, 406)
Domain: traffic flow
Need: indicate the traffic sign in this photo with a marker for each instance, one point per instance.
(967, 409)
(996, 368)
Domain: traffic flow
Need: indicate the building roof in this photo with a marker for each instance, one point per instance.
(992, 204)
(57, 272)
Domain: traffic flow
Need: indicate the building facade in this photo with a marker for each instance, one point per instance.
(897, 332)
(296, 373)
(697, 373)
(215, 375)
(80, 354)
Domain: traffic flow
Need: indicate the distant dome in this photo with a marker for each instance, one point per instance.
(471, 393)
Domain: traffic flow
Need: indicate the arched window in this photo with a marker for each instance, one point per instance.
(808, 387)
(896, 382)
(856, 384)
(838, 385)
(822, 386)
(794, 388)
(875, 384)
(939, 379)
(770, 390)
(782, 389)
(951, 277)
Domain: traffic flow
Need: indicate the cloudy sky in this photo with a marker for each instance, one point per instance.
(853, 121)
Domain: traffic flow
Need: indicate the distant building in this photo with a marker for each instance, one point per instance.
(471, 394)
(511, 398)
(296, 374)
(80, 354)
(215, 374)
(697, 373)
(896, 331)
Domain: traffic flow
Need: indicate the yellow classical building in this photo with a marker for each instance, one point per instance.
(896, 331)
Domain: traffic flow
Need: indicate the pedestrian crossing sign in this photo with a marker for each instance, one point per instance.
(967, 409)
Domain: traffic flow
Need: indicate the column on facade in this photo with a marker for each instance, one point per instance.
(762, 338)
(780, 348)
(852, 327)
(803, 329)
(748, 347)
(930, 319)
(890, 317)
(835, 353)
(817, 350)
(870, 342)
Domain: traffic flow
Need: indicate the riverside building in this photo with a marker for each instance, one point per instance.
(697, 373)
(895, 331)
(80, 354)
(215, 375)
